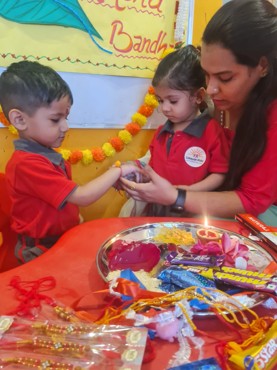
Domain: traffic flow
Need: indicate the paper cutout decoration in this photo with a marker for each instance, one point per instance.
(50, 12)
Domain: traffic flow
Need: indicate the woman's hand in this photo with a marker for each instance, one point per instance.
(157, 190)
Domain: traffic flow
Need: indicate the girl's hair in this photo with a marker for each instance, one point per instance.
(181, 70)
(29, 85)
(248, 28)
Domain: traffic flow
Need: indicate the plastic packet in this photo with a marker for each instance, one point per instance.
(190, 259)
(247, 280)
(25, 360)
(177, 277)
(109, 345)
(260, 356)
(206, 364)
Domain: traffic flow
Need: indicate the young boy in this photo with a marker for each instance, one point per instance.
(45, 200)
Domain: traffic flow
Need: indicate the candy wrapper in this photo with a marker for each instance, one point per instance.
(248, 280)
(189, 259)
(262, 356)
(206, 364)
(179, 278)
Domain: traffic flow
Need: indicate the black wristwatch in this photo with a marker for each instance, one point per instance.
(178, 206)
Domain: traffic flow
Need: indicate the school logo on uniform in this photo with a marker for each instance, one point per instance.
(195, 156)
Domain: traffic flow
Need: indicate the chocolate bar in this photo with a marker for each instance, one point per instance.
(247, 280)
(189, 259)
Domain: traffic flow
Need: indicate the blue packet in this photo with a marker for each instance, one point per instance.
(184, 279)
(206, 364)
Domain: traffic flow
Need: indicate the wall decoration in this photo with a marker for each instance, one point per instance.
(112, 37)
(95, 103)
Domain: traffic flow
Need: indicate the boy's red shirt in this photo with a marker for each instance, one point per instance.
(39, 182)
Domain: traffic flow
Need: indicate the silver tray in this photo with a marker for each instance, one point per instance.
(147, 232)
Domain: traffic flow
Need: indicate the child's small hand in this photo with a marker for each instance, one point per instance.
(128, 169)
(131, 171)
(134, 172)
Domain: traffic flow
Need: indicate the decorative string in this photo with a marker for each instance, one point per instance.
(29, 295)
(231, 314)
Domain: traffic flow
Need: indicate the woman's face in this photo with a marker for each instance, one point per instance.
(228, 83)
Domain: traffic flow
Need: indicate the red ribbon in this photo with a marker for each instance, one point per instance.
(133, 289)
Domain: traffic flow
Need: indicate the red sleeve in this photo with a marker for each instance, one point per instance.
(152, 144)
(219, 148)
(258, 189)
(37, 176)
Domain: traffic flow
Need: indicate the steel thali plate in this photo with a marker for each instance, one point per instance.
(147, 232)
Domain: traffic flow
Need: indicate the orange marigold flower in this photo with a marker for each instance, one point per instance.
(151, 90)
(133, 128)
(98, 154)
(4, 120)
(117, 143)
(75, 156)
(146, 110)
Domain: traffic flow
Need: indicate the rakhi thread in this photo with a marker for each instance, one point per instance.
(230, 314)
(55, 345)
(29, 294)
(53, 329)
(41, 364)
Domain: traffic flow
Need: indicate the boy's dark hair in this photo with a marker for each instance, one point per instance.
(248, 28)
(28, 86)
(181, 70)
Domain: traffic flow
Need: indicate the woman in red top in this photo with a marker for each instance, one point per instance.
(239, 56)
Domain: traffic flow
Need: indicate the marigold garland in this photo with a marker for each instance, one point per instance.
(133, 128)
(98, 154)
(115, 144)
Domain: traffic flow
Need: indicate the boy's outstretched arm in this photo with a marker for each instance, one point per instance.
(86, 194)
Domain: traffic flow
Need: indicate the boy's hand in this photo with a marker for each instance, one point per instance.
(129, 168)
(131, 172)
(134, 172)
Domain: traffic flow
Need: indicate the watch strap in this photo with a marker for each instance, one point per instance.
(178, 206)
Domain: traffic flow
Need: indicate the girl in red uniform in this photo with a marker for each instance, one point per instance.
(190, 150)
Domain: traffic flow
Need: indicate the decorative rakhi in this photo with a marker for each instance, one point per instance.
(41, 364)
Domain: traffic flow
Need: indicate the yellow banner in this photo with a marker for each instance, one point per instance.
(111, 37)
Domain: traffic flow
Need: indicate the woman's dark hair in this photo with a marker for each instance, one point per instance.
(248, 28)
(30, 85)
(181, 70)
